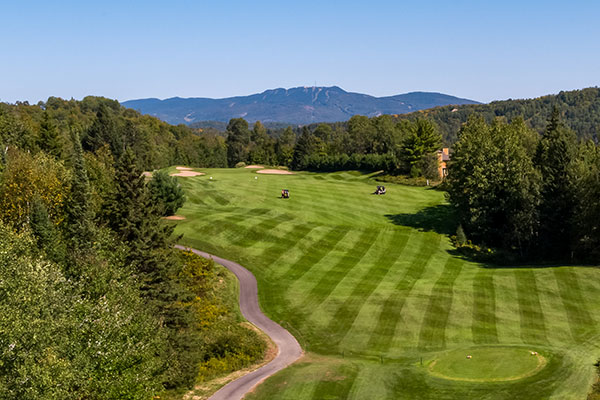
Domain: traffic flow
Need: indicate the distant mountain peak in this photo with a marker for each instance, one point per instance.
(299, 105)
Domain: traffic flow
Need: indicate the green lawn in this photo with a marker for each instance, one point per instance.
(369, 286)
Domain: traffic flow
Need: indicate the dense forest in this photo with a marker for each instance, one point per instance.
(95, 302)
(580, 111)
(531, 196)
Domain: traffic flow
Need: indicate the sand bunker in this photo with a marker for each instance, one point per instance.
(184, 168)
(174, 217)
(147, 174)
(275, 172)
(254, 166)
(187, 173)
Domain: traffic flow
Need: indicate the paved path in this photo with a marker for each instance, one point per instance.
(288, 348)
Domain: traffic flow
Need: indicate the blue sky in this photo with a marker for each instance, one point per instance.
(481, 50)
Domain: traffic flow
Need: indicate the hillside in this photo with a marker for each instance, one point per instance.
(580, 111)
(301, 105)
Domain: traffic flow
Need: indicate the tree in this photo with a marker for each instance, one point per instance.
(49, 139)
(238, 141)
(586, 229)
(285, 147)
(361, 132)
(45, 232)
(305, 147)
(386, 136)
(421, 140)
(554, 160)
(79, 216)
(26, 176)
(166, 193)
(261, 150)
(493, 185)
(103, 131)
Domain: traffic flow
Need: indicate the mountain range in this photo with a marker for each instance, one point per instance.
(300, 105)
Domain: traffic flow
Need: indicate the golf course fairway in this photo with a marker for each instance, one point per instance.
(372, 289)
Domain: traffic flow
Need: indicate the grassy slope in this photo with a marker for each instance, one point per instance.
(369, 286)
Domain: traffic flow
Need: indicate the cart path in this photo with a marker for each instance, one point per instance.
(288, 348)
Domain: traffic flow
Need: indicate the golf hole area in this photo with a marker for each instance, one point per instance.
(487, 364)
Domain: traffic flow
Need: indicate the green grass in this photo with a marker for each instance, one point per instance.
(370, 288)
(487, 364)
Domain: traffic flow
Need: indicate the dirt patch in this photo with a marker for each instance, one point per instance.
(188, 173)
(174, 217)
(254, 166)
(275, 172)
(184, 168)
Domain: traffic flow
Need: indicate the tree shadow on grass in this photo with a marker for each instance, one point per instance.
(438, 219)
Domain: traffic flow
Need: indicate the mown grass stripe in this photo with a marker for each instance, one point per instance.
(214, 194)
(320, 249)
(533, 328)
(581, 322)
(391, 310)
(230, 222)
(337, 386)
(483, 323)
(285, 243)
(433, 328)
(346, 314)
(261, 231)
(330, 278)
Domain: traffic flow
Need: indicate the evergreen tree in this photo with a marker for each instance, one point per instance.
(166, 193)
(421, 140)
(79, 216)
(49, 138)
(554, 159)
(135, 218)
(103, 131)
(44, 231)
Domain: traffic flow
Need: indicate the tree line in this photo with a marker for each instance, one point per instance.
(580, 110)
(527, 194)
(95, 302)
(369, 144)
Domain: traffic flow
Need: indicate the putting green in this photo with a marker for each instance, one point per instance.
(487, 364)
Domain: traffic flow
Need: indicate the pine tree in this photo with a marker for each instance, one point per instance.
(79, 216)
(554, 159)
(166, 193)
(49, 138)
(44, 231)
(103, 131)
(132, 214)
(305, 147)
(422, 139)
